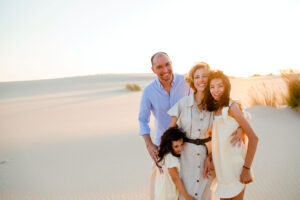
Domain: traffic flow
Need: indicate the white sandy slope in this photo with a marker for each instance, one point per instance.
(77, 138)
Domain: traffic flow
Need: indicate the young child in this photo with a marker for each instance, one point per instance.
(168, 183)
(232, 163)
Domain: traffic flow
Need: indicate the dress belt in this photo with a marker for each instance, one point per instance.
(199, 142)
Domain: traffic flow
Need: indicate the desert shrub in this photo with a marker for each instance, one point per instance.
(132, 87)
(266, 95)
(292, 80)
(256, 75)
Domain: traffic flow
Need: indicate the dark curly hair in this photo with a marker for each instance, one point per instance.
(165, 147)
(211, 103)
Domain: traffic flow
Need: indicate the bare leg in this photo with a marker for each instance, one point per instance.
(240, 196)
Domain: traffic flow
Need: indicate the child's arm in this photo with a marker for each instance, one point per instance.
(178, 182)
(235, 112)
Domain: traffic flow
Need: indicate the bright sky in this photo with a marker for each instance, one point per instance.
(57, 38)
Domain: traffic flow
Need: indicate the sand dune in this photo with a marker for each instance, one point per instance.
(77, 138)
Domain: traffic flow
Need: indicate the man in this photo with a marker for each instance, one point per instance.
(158, 97)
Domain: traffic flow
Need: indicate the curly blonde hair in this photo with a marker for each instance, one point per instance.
(189, 78)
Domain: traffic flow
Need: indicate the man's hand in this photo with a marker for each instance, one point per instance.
(153, 151)
(152, 148)
(237, 137)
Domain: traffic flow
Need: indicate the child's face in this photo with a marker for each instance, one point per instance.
(177, 146)
(217, 88)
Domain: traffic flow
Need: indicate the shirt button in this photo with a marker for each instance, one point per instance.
(197, 181)
(198, 154)
(198, 166)
(199, 129)
(196, 194)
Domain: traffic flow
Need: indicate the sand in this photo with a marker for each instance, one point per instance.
(77, 138)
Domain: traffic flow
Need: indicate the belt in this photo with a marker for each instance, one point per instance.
(199, 142)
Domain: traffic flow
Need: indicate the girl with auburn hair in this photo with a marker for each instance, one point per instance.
(232, 163)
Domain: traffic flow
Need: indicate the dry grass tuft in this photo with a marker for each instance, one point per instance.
(256, 75)
(267, 96)
(274, 96)
(132, 87)
(292, 80)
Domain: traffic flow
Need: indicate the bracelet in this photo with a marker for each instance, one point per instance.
(246, 167)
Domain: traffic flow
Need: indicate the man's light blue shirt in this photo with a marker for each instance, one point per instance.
(156, 99)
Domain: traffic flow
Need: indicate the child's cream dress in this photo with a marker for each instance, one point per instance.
(165, 189)
(228, 159)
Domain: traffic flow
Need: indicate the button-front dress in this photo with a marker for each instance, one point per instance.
(194, 122)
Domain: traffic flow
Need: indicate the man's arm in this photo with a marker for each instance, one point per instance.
(152, 148)
(144, 118)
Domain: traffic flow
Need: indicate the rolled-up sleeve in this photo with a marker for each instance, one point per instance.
(175, 110)
(144, 114)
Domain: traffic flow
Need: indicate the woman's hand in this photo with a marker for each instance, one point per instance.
(208, 133)
(237, 137)
(246, 177)
(208, 167)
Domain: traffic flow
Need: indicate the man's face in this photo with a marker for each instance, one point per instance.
(162, 67)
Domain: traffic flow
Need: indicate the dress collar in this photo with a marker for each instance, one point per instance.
(190, 100)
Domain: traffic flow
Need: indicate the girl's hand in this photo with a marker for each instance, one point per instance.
(246, 177)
